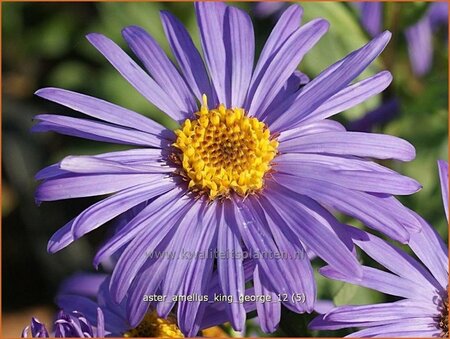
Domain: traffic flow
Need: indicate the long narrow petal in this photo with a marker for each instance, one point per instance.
(197, 278)
(90, 185)
(380, 213)
(240, 47)
(63, 237)
(329, 82)
(101, 109)
(107, 209)
(210, 19)
(371, 16)
(184, 243)
(294, 256)
(96, 165)
(140, 80)
(257, 238)
(432, 251)
(161, 208)
(160, 68)
(141, 249)
(419, 328)
(358, 179)
(231, 272)
(314, 235)
(284, 63)
(403, 309)
(443, 176)
(269, 313)
(419, 38)
(381, 281)
(286, 25)
(311, 128)
(394, 259)
(371, 145)
(352, 95)
(94, 130)
(188, 58)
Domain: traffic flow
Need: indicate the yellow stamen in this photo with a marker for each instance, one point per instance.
(223, 150)
(154, 327)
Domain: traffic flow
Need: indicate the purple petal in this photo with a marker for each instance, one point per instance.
(189, 231)
(269, 313)
(231, 272)
(286, 25)
(294, 256)
(420, 46)
(188, 58)
(145, 283)
(285, 211)
(160, 68)
(371, 145)
(102, 110)
(376, 212)
(419, 328)
(358, 179)
(140, 80)
(443, 176)
(257, 237)
(284, 63)
(285, 96)
(100, 323)
(162, 207)
(77, 186)
(61, 238)
(139, 249)
(372, 17)
(329, 82)
(432, 251)
(96, 165)
(352, 95)
(210, 19)
(311, 128)
(394, 259)
(240, 47)
(381, 281)
(93, 130)
(403, 309)
(107, 209)
(197, 278)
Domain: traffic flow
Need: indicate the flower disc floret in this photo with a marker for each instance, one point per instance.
(223, 150)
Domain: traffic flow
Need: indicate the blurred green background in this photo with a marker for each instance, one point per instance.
(44, 45)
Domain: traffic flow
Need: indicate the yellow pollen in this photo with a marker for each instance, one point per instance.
(223, 150)
(154, 327)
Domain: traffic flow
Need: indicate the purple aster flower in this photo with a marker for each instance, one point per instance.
(252, 166)
(89, 292)
(68, 325)
(422, 310)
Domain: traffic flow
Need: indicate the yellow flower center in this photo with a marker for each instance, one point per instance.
(223, 150)
(154, 327)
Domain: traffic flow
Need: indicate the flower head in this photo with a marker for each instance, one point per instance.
(422, 310)
(68, 325)
(251, 166)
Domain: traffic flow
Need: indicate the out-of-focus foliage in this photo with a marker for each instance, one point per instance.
(44, 45)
